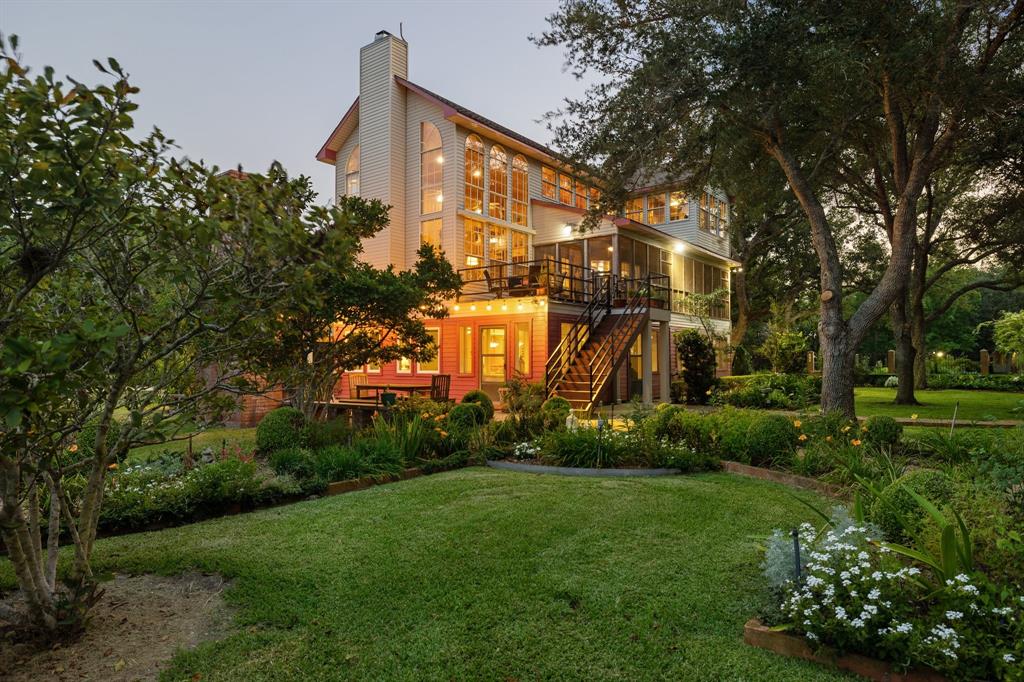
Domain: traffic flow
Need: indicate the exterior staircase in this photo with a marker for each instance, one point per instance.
(591, 353)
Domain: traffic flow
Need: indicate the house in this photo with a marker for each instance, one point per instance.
(590, 313)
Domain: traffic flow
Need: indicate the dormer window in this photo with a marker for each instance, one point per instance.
(352, 173)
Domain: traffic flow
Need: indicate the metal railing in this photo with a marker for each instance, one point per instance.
(615, 345)
(568, 349)
(684, 302)
(558, 280)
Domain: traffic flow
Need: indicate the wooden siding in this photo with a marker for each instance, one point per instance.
(341, 161)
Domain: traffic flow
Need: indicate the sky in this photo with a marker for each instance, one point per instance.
(249, 82)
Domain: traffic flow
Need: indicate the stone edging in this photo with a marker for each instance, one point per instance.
(578, 471)
(763, 637)
(791, 480)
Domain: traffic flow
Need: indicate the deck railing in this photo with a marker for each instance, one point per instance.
(558, 280)
(684, 302)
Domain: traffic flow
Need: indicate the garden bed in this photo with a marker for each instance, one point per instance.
(791, 480)
(763, 637)
(525, 467)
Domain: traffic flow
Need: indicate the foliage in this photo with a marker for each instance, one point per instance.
(318, 434)
(769, 391)
(980, 382)
(480, 398)
(523, 401)
(696, 366)
(1009, 332)
(608, 448)
(555, 411)
(786, 349)
(898, 514)
(880, 430)
(769, 438)
(467, 415)
(280, 428)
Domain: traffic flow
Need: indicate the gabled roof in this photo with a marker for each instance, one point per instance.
(451, 111)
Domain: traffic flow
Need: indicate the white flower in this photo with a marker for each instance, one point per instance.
(812, 636)
(954, 615)
(1002, 611)
(857, 623)
(904, 627)
(969, 589)
(840, 613)
(874, 594)
(1008, 658)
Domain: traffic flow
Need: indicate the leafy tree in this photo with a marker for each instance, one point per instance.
(786, 349)
(124, 274)
(1009, 332)
(828, 90)
(696, 365)
(345, 313)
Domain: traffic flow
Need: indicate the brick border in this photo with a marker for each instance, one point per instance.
(792, 480)
(763, 637)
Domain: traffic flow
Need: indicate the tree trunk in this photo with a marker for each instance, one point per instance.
(837, 365)
(904, 350)
(739, 329)
(917, 337)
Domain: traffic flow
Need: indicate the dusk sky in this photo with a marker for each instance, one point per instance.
(249, 82)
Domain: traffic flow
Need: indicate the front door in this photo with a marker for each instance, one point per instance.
(493, 360)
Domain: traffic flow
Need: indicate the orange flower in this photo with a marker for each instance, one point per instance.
(855, 442)
(828, 439)
(444, 434)
(803, 436)
(112, 466)
(796, 423)
(73, 448)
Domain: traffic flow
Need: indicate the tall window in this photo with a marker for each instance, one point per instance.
(434, 365)
(352, 173)
(465, 350)
(431, 168)
(581, 195)
(497, 243)
(595, 196)
(655, 209)
(474, 174)
(520, 189)
(430, 233)
(520, 247)
(714, 216)
(678, 206)
(635, 209)
(522, 349)
(497, 196)
(565, 188)
(548, 183)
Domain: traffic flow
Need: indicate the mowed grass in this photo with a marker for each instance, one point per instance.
(974, 405)
(213, 438)
(480, 574)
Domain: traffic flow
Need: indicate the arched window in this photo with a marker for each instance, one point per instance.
(474, 174)
(352, 173)
(520, 189)
(431, 169)
(497, 196)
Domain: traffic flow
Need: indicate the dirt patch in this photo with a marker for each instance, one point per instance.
(137, 627)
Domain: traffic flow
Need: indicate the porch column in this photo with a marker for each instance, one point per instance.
(645, 361)
(664, 362)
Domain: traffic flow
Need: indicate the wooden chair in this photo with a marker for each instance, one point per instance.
(354, 382)
(440, 387)
(493, 285)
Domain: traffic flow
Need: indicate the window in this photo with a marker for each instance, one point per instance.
(655, 209)
(372, 368)
(434, 365)
(431, 168)
(497, 243)
(714, 216)
(474, 174)
(581, 195)
(522, 349)
(520, 247)
(403, 366)
(548, 186)
(625, 257)
(465, 350)
(352, 173)
(430, 233)
(678, 206)
(565, 188)
(723, 218)
(595, 197)
(520, 189)
(497, 195)
(654, 349)
(473, 246)
(640, 260)
(600, 249)
(635, 209)
(666, 262)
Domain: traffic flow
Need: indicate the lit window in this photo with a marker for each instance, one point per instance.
(474, 174)
(635, 209)
(497, 245)
(372, 368)
(352, 173)
(595, 197)
(520, 189)
(565, 188)
(581, 196)
(678, 206)
(497, 195)
(430, 233)
(465, 350)
(520, 247)
(654, 350)
(522, 350)
(714, 216)
(548, 184)
(434, 365)
(431, 169)
(473, 247)
(403, 366)
(655, 209)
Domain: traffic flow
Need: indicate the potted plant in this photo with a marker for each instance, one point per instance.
(388, 398)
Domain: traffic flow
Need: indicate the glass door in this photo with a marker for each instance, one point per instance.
(493, 360)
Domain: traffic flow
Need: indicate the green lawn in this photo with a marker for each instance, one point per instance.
(479, 574)
(214, 438)
(974, 405)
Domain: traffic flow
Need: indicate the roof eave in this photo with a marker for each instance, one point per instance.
(329, 151)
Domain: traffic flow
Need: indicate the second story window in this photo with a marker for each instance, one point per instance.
(655, 209)
(565, 188)
(431, 169)
(548, 183)
(474, 174)
(714, 215)
(635, 209)
(497, 194)
(352, 173)
(520, 189)
(581, 195)
(678, 206)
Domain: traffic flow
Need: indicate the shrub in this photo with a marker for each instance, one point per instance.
(898, 514)
(786, 350)
(770, 438)
(769, 391)
(467, 415)
(583, 447)
(555, 411)
(318, 434)
(86, 438)
(696, 366)
(728, 432)
(523, 401)
(882, 431)
(279, 428)
(480, 398)
(681, 426)
(294, 461)
(981, 382)
(337, 463)
(741, 363)
(379, 456)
